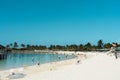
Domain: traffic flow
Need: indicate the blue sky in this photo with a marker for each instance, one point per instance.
(59, 21)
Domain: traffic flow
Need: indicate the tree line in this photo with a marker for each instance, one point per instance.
(73, 47)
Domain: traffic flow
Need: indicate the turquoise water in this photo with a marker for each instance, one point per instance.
(15, 60)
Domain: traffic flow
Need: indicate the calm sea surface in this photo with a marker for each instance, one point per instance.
(15, 60)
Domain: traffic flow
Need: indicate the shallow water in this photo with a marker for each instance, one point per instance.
(15, 60)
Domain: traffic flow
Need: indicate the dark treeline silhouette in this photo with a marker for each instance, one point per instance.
(73, 47)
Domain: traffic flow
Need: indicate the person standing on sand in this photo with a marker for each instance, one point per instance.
(114, 49)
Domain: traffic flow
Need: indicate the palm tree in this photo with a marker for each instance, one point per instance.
(28, 46)
(88, 47)
(15, 45)
(80, 47)
(73, 47)
(22, 46)
(100, 44)
(41, 47)
(52, 47)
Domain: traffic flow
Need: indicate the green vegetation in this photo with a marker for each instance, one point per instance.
(73, 47)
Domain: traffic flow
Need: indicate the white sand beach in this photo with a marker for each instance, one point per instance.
(98, 67)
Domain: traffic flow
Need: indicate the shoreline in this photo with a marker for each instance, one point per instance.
(99, 67)
(59, 54)
(29, 70)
